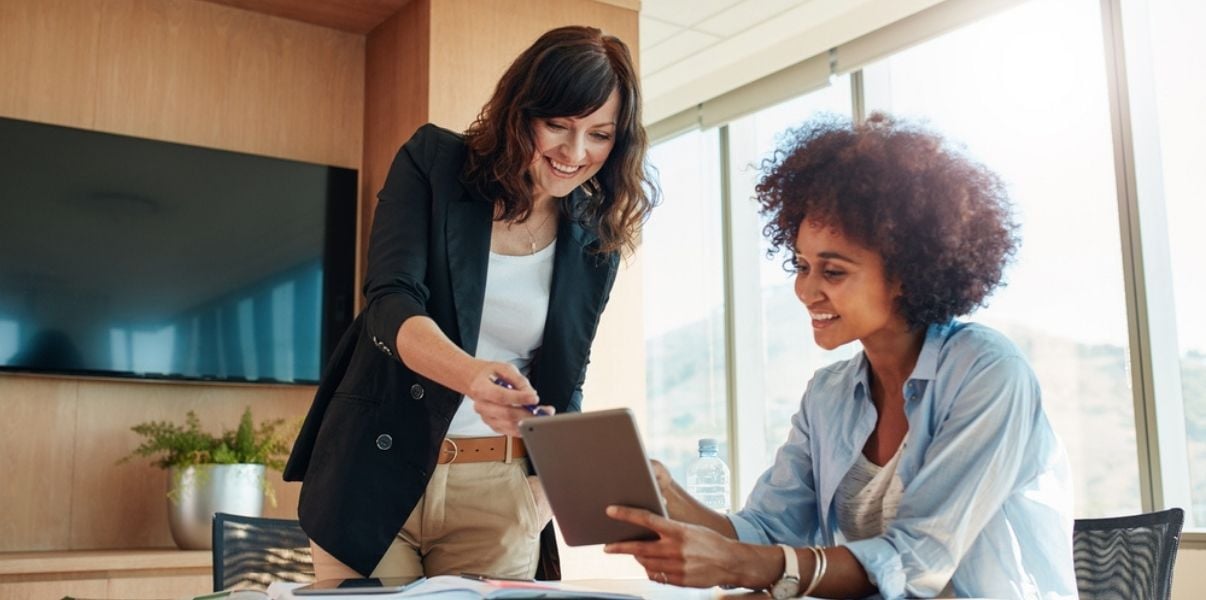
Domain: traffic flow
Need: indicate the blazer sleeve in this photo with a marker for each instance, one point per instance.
(397, 257)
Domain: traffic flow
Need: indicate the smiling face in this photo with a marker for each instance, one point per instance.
(844, 287)
(571, 150)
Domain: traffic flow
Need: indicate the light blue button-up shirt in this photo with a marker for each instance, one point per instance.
(986, 503)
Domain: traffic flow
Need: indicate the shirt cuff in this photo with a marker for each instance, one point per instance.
(746, 530)
(882, 563)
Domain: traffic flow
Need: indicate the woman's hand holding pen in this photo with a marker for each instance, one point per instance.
(503, 397)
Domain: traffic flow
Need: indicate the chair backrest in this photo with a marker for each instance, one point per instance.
(1127, 557)
(252, 552)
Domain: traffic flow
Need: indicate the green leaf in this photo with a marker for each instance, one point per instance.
(172, 445)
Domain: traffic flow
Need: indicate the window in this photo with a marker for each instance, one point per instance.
(784, 352)
(1180, 93)
(1028, 101)
(684, 303)
(1103, 295)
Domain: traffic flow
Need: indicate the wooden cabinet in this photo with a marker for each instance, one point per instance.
(126, 574)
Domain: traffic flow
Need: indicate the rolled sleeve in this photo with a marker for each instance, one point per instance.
(782, 508)
(397, 260)
(748, 532)
(883, 566)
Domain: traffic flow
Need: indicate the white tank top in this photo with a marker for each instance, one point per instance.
(514, 312)
(867, 499)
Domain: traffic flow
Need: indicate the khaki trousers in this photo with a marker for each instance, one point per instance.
(473, 518)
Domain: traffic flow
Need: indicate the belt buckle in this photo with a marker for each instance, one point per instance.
(452, 450)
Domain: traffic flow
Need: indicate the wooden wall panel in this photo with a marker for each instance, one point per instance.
(41, 590)
(37, 443)
(216, 76)
(137, 516)
(396, 58)
(180, 70)
(475, 43)
(160, 586)
(48, 61)
(61, 439)
(356, 16)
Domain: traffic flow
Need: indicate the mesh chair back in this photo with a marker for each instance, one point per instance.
(1127, 557)
(252, 552)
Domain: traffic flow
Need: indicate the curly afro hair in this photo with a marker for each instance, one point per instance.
(941, 221)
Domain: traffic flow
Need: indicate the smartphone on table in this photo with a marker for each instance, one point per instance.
(368, 585)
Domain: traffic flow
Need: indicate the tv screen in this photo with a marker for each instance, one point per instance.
(129, 257)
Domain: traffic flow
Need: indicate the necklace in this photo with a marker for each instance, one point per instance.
(531, 236)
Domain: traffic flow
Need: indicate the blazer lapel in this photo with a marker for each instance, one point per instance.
(468, 230)
(572, 265)
(579, 277)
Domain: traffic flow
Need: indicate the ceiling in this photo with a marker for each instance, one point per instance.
(672, 30)
(691, 50)
(694, 50)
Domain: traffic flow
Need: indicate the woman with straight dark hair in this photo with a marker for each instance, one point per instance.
(491, 259)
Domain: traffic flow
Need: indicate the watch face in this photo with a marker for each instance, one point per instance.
(787, 587)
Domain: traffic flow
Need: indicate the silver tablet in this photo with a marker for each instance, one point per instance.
(586, 462)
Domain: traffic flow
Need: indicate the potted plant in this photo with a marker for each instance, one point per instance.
(209, 474)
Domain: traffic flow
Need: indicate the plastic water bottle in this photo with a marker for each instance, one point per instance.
(708, 477)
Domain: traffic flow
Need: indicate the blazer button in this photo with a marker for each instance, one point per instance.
(416, 392)
(385, 441)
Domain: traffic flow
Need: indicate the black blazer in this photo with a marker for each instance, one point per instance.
(370, 441)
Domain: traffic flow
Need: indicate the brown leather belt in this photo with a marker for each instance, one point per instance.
(481, 449)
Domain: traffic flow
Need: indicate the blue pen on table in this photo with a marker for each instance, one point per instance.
(532, 408)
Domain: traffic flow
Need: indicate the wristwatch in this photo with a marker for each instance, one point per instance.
(788, 585)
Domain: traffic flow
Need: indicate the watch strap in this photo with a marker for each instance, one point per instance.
(791, 563)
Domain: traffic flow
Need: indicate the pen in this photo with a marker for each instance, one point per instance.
(532, 408)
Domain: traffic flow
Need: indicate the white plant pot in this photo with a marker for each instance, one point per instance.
(196, 493)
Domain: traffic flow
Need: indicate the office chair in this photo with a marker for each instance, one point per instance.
(252, 552)
(1127, 557)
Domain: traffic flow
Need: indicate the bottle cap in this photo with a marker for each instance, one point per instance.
(708, 445)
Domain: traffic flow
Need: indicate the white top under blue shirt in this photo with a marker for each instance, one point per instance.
(987, 504)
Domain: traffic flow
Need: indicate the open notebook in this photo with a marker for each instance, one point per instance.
(455, 587)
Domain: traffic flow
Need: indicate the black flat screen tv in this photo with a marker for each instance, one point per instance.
(129, 257)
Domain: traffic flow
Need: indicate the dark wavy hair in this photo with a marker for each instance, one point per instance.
(941, 221)
(568, 72)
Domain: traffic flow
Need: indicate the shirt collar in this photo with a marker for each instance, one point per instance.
(926, 368)
(862, 385)
(927, 362)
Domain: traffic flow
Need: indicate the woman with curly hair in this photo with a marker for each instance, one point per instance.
(492, 257)
(925, 465)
